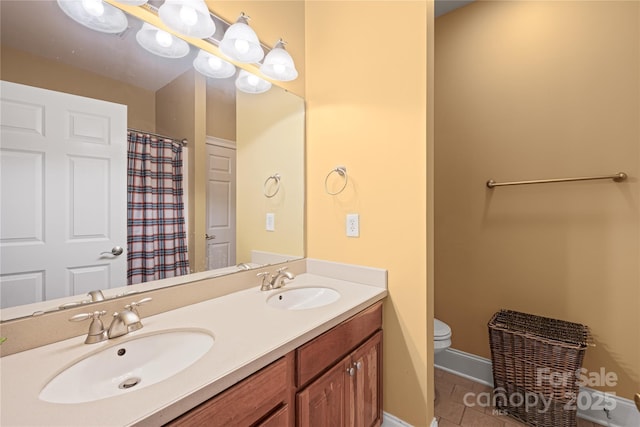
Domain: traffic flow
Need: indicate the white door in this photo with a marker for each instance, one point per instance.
(63, 161)
(221, 206)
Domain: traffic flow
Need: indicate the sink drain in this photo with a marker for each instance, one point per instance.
(129, 382)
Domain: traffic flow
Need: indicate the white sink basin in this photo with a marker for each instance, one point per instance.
(303, 298)
(128, 366)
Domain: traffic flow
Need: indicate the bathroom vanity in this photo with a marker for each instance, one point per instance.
(272, 362)
(335, 379)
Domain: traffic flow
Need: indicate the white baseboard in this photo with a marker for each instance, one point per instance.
(478, 369)
(389, 420)
(466, 365)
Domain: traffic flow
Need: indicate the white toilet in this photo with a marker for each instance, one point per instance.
(441, 336)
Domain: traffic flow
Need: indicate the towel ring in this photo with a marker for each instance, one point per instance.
(276, 178)
(342, 171)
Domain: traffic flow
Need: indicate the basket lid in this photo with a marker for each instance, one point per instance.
(441, 329)
(543, 327)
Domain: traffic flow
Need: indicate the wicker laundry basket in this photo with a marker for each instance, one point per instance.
(535, 365)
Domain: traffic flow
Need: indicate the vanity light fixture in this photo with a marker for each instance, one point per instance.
(250, 83)
(132, 2)
(96, 15)
(161, 43)
(188, 17)
(241, 43)
(213, 66)
(278, 64)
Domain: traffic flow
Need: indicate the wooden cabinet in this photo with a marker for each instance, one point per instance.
(282, 417)
(349, 392)
(262, 399)
(335, 380)
(365, 384)
(324, 402)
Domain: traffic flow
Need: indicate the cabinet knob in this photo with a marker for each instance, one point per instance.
(358, 365)
(351, 371)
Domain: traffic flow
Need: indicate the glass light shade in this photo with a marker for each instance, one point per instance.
(212, 66)
(278, 64)
(250, 83)
(188, 17)
(241, 43)
(95, 14)
(161, 43)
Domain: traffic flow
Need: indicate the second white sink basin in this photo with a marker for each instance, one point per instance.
(128, 366)
(303, 298)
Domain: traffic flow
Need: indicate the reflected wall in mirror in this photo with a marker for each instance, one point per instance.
(264, 133)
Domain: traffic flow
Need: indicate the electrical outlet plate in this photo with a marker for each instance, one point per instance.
(271, 222)
(353, 225)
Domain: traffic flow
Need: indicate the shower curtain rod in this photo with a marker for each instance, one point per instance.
(182, 141)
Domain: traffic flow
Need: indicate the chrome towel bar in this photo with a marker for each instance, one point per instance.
(618, 177)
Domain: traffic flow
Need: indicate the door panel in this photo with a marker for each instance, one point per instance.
(63, 194)
(324, 402)
(221, 206)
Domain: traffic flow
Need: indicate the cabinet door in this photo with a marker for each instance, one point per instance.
(324, 402)
(365, 394)
(279, 419)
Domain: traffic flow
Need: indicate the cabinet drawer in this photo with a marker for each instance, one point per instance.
(317, 355)
(245, 403)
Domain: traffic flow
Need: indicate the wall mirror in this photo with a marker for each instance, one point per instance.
(262, 133)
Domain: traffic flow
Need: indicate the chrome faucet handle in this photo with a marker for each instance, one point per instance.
(124, 294)
(97, 333)
(72, 304)
(265, 285)
(134, 305)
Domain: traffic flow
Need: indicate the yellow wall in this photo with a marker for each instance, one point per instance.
(24, 68)
(366, 93)
(270, 140)
(221, 108)
(530, 90)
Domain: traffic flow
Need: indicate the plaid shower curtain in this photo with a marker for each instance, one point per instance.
(156, 238)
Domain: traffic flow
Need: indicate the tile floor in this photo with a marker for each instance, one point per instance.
(451, 410)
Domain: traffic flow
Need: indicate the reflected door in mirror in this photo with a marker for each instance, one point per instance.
(221, 206)
(62, 157)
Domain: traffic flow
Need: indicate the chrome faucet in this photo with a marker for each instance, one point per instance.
(123, 322)
(96, 295)
(128, 320)
(277, 281)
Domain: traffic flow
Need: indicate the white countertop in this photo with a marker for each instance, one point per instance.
(248, 333)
